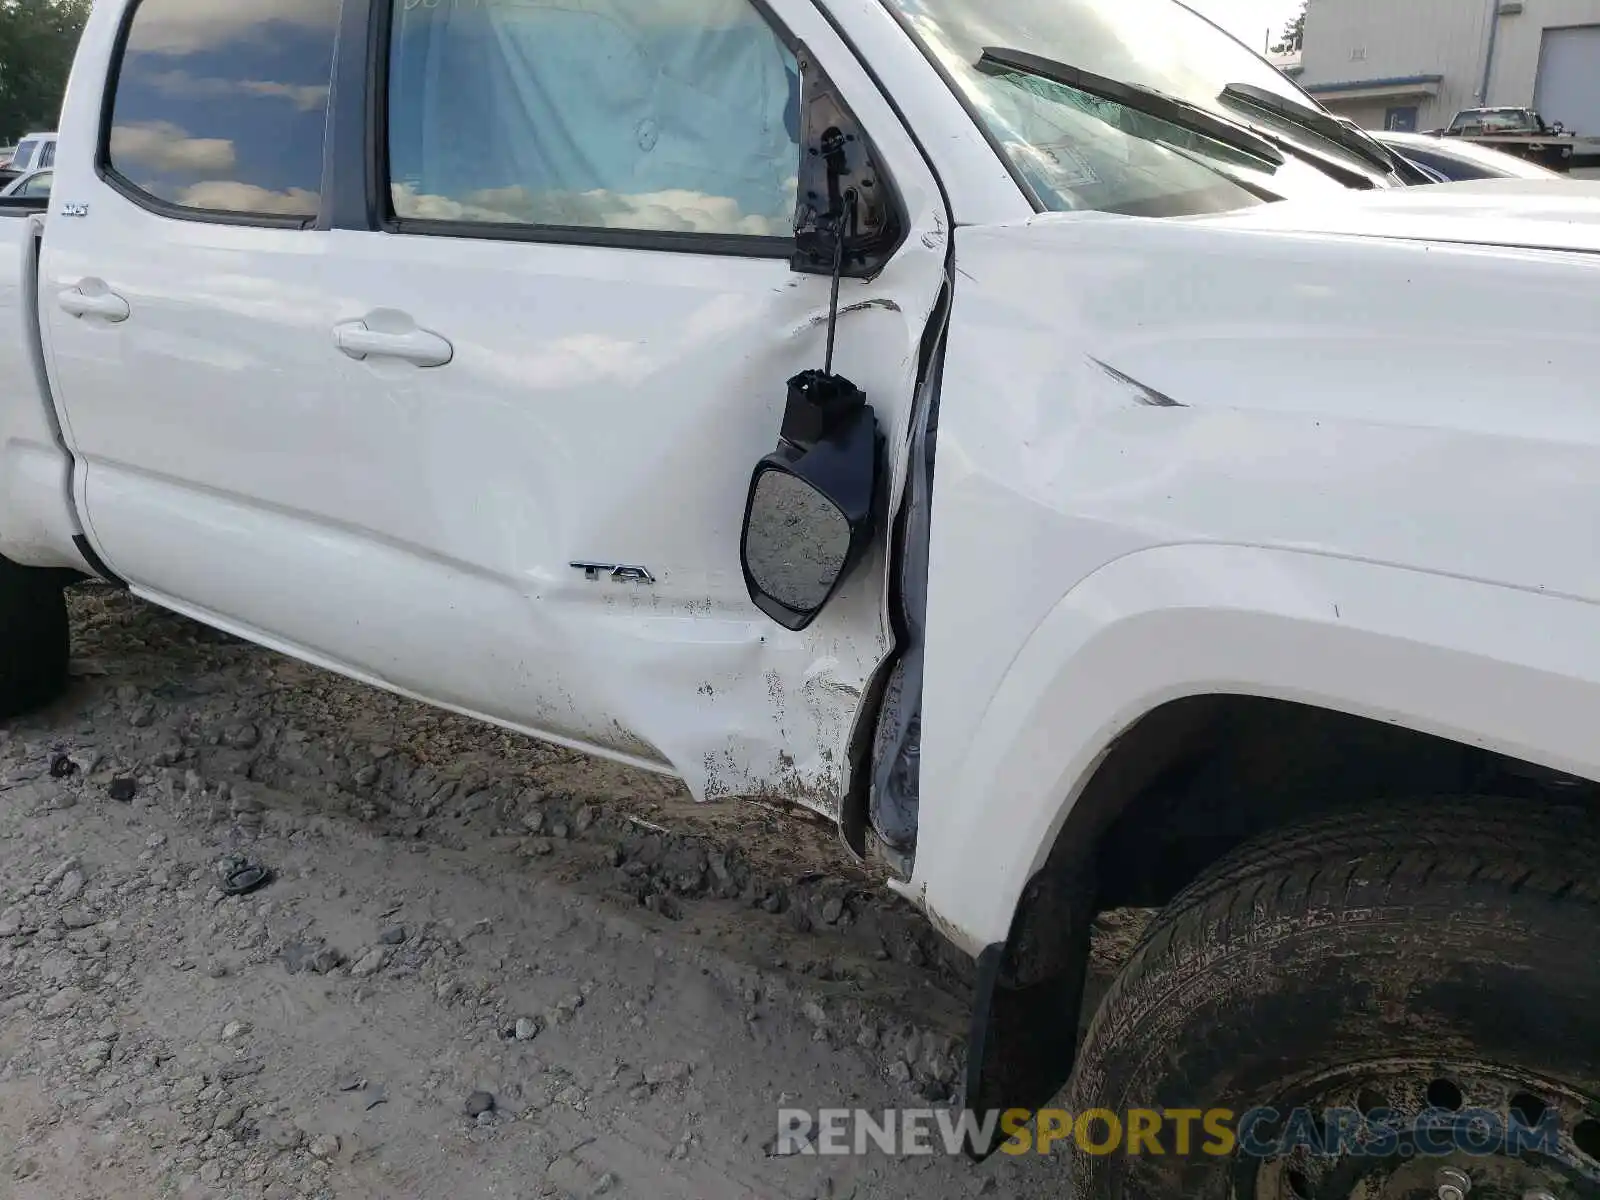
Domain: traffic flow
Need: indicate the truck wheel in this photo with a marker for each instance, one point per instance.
(33, 638)
(1352, 974)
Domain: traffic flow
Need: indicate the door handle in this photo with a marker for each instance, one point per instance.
(97, 302)
(418, 347)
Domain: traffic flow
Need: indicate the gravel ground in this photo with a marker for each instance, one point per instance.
(481, 965)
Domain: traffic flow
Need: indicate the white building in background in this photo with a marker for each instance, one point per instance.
(1413, 64)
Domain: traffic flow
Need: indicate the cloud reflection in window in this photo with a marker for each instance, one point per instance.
(224, 106)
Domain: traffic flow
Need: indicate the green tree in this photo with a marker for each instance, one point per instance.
(37, 41)
(1294, 33)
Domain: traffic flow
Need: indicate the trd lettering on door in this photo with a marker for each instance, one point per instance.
(595, 571)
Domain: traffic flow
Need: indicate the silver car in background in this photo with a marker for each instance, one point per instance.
(1453, 160)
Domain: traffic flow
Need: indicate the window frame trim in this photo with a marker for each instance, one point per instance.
(380, 205)
(137, 196)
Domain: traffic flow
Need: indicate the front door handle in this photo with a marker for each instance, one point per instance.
(92, 298)
(387, 334)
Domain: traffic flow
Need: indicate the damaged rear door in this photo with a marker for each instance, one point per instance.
(567, 325)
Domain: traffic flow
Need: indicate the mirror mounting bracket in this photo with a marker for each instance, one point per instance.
(820, 402)
(819, 405)
(847, 220)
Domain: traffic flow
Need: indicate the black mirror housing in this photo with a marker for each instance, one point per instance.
(809, 514)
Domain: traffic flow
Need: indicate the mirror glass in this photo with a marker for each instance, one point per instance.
(796, 543)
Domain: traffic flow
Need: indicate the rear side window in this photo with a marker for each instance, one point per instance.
(223, 107)
(650, 116)
(47, 156)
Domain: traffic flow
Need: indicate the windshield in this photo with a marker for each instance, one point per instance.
(1493, 119)
(1073, 150)
(23, 155)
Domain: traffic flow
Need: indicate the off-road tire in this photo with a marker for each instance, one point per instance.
(34, 640)
(1431, 930)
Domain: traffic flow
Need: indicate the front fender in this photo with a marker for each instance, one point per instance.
(1511, 670)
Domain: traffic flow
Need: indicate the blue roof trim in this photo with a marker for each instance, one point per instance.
(1356, 85)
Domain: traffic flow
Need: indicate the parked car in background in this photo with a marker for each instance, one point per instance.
(32, 184)
(1457, 159)
(7, 171)
(33, 152)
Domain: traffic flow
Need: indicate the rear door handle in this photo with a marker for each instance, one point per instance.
(387, 334)
(96, 301)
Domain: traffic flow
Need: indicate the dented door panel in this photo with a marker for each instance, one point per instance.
(543, 531)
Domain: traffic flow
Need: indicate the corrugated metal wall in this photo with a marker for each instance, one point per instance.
(1349, 40)
(1516, 55)
(1569, 78)
(1356, 40)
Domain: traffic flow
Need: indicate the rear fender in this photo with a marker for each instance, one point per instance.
(38, 522)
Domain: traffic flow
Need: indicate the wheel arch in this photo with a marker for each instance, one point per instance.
(1192, 685)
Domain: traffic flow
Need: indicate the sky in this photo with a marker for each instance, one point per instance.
(1249, 20)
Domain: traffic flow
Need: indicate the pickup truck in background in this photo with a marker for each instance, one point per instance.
(1039, 438)
(1523, 132)
(33, 152)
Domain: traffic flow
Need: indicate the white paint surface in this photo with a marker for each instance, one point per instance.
(1373, 486)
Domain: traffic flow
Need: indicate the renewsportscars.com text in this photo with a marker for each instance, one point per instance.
(1257, 1132)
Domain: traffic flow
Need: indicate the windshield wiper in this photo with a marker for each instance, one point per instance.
(1141, 99)
(1309, 119)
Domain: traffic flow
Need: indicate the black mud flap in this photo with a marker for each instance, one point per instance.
(1023, 1040)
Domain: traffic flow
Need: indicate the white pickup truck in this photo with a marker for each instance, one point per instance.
(1035, 435)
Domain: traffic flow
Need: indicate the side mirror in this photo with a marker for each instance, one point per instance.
(808, 519)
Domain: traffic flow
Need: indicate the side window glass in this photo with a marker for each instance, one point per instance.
(643, 115)
(223, 106)
(47, 156)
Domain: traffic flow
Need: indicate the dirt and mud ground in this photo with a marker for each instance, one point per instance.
(482, 966)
